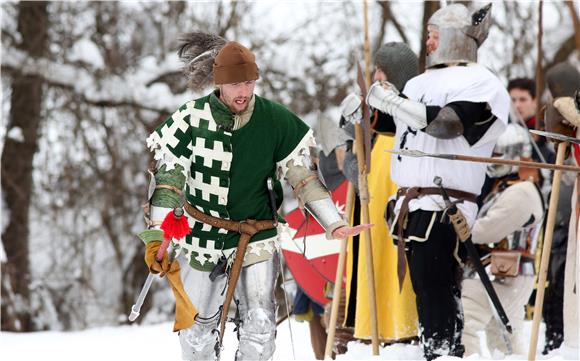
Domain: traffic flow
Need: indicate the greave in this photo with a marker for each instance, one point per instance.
(200, 341)
(254, 295)
(257, 335)
(257, 308)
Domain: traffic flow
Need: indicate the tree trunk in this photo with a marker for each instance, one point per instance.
(16, 168)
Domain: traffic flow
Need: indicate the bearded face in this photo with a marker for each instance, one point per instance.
(237, 96)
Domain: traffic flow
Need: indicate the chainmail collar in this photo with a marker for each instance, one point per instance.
(224, 117)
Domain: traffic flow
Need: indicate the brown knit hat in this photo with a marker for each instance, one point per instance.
(234, 64)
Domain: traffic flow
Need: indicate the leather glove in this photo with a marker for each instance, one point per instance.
(185, 311)
(351, 108)
(155, 267)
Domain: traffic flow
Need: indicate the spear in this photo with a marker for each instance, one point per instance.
(491, 160)
(336, 294)
(364, 167)
(362, 150)
(539, 78)
(546, 249)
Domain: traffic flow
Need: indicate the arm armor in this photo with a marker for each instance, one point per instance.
(314, 196)
(446, 124)
(385, 97)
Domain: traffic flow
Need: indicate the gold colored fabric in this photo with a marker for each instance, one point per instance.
(396, 312)
(185, 311)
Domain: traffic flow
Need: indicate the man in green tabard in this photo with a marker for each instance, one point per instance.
(217, 152)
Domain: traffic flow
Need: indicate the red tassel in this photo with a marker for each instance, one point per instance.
(175, 226)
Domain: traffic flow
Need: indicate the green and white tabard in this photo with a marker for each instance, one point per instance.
(225, 169)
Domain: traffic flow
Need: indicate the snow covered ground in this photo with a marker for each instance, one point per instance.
(157, 342)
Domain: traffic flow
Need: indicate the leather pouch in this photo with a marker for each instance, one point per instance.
(505, 264)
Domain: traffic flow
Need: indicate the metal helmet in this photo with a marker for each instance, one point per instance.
(398, 62)
(513, 144)
(460, 34)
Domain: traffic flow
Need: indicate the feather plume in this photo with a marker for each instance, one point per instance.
(198, 50)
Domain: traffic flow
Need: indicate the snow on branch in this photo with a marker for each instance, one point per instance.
(140, 89)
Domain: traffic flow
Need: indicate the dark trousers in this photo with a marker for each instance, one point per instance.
(436, 279)
(553, 311)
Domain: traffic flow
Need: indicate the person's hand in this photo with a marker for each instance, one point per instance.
(351, 108)
(346, 231)
(162, 267)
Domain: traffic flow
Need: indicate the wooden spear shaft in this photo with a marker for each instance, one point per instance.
(539, 80)
(576, 22)
(364, 198)
(519, 163)
(336, 294)
(546, 249)
(364, 202)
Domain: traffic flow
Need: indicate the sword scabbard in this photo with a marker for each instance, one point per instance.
(455, 214)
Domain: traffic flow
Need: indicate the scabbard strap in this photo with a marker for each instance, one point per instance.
(410, 194)
(246, 228)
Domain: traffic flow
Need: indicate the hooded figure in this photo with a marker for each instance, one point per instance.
(396, 314)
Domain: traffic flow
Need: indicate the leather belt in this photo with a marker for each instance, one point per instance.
(410, 194)
(246, 229)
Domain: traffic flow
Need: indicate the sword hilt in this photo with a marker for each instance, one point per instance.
(439, 183)
(455, 216)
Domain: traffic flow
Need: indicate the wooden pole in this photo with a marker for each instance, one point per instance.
(490, 160)
(364, 201)
(519, 163)
(364, 198)
(336, 294)
(539, 80)
(546, 249)
(576, 22)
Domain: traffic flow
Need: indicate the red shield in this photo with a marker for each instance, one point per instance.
(311, 258)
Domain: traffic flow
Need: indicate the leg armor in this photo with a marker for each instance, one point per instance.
(256, 305)
(257, 309)
(200, 341)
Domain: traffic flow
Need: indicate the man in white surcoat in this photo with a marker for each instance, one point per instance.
(456, 106)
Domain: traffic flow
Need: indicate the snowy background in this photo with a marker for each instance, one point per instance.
(157, 342)
(107, 73)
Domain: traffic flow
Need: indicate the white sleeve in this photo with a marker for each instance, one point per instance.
(514, 207)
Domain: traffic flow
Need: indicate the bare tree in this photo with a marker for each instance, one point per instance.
(386, 17)
(17, 157)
